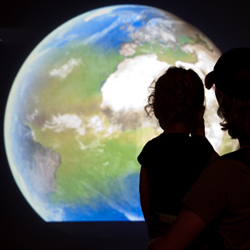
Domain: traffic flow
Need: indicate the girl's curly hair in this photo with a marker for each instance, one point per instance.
(177, 96)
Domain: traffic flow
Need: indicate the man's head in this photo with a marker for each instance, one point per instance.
(231, 77)
(231, 74)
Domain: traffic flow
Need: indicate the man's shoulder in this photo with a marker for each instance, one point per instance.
(231, 164)
(241, 156)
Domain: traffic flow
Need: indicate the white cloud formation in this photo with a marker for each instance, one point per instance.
(127, 88)
(65, 69)
(60, 122)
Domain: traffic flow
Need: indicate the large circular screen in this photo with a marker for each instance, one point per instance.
(75, 124)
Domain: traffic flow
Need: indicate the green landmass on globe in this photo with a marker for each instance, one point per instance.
(75, 122)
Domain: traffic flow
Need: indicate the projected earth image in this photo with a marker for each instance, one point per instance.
(75, 124)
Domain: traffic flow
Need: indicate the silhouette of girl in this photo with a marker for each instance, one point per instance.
(173, 161)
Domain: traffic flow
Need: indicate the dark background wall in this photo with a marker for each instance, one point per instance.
(23, 24)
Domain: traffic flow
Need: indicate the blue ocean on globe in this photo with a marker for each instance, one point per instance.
(75, 121)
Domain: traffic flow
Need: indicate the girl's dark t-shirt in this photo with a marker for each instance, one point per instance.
(173, 163)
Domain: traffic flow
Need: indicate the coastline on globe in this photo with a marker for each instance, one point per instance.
(75, 121)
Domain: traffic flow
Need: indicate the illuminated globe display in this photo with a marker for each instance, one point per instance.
(75, 124)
